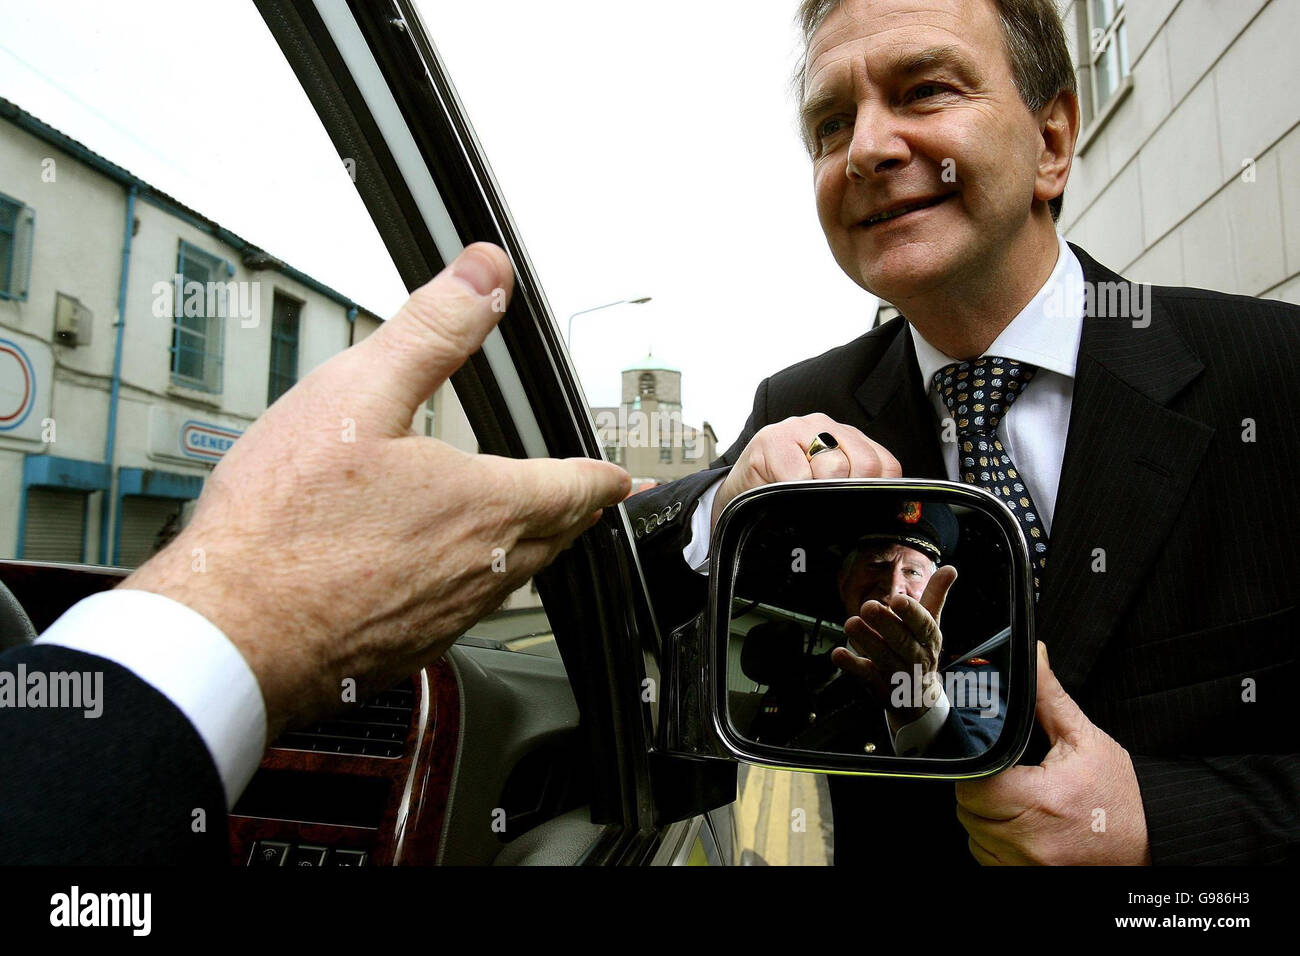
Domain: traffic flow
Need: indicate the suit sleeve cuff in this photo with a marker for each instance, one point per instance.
(696, 552)
(914, 739)
(187, 659)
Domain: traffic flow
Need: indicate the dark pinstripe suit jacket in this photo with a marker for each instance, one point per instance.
(122, 787)
(1182, 452)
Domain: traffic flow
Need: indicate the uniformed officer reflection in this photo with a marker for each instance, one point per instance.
(884, 691)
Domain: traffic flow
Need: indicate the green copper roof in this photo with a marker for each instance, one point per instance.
(650, 362)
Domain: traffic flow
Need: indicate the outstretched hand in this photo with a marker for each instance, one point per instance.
(331, 543)
(892, 638)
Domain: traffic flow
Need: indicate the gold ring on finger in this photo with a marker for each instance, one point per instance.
(823, 442)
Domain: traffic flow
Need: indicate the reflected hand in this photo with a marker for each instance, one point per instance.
(780, 453)
(894, 638)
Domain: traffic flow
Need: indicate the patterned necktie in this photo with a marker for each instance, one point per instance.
(978, 395)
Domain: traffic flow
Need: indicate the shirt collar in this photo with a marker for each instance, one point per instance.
(1045, 333)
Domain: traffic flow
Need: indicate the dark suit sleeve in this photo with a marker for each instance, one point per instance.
(968, 732)
(661, 522)
(1238, 809)
(134, 785)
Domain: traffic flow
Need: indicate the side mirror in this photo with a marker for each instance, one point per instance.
(801, 665)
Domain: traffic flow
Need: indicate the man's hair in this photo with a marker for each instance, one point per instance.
(1035, 42)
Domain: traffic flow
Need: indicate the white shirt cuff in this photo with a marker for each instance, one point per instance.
(187, 659)
(696, 552)
(914, 739)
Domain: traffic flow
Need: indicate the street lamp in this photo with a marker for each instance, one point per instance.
(597, 308)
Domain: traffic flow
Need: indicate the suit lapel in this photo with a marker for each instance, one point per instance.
(897, 413)
(1129, 461)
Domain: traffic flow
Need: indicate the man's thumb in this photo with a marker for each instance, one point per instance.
(440, 326)
(1058, 714)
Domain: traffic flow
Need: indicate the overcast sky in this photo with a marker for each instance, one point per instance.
(644, 150)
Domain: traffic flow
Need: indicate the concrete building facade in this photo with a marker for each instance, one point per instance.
(108, 428)
(646, 434)
(1185, 169)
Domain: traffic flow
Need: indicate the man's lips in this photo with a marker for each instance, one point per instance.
(902, 209)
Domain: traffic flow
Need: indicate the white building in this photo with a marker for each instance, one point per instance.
(107, 428)
(1184, 173)
(645, 433)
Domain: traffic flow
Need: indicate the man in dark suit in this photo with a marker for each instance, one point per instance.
(1149, 445)
(140, 715)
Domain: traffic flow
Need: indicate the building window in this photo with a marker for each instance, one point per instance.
(17, 230)
(1107, 48)
(646, 385)
(284, 345)
(666, 454)
(199, 319)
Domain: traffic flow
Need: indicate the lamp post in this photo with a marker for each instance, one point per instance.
(597, 308)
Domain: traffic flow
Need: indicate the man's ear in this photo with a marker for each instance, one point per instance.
(1059, 123)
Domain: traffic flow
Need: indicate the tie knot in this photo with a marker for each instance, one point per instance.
(979, 393)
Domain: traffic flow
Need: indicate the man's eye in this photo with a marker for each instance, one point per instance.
(829, 128)
(924, 91)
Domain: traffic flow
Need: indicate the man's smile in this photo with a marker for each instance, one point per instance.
(902, 209)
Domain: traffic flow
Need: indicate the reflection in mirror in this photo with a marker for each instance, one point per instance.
(882, 632)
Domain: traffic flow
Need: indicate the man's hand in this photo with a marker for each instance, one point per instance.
(780, 453)
(332, 543)
(1081, 806)
(895, 637)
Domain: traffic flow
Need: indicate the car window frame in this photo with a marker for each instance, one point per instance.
(387, 102)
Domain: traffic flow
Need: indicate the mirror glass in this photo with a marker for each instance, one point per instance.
(871, 623)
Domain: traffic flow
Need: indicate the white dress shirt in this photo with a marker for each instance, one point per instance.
(1046, 334)
(187, 659)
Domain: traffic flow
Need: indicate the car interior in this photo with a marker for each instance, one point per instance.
(532, 741)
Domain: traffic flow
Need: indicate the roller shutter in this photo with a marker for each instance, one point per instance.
(142, 520)
(55, 529)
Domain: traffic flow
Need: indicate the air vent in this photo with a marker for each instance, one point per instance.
(375, 729)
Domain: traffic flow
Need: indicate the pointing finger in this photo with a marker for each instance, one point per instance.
(561, 495)
(862, 668)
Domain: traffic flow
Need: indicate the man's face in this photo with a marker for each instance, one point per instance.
(881, 571)
(914, 100)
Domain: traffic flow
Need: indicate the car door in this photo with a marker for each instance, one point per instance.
(536, 739)
(384, 97)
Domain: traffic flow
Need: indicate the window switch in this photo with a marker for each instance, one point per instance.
(268, 853)
(348, 858)
(307, 856)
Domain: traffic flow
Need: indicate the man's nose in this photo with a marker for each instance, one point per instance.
(876, 146)
(899, 584)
